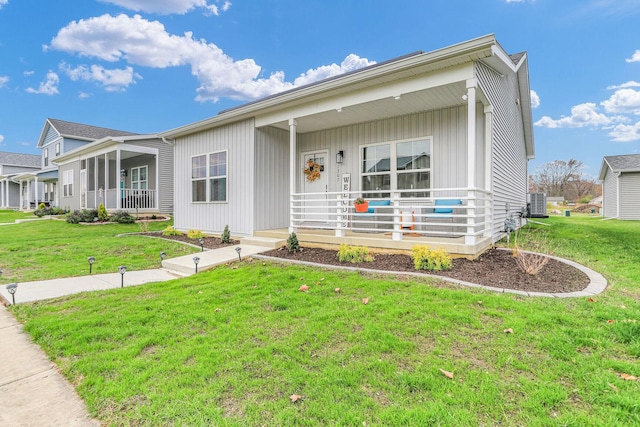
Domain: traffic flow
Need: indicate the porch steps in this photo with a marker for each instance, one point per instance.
(266, 241)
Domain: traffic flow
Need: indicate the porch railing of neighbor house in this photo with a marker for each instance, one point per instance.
(129, 199)
(445, 212)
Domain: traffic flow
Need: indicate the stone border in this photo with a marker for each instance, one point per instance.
(597, 282)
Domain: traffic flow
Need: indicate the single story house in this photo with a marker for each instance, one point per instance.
(437, 142)
(13, 193)
(620, 176)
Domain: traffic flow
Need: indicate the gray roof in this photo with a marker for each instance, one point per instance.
(627, 162)
(19, 159)
(81, 131)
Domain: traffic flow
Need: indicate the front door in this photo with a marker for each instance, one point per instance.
(315, 186)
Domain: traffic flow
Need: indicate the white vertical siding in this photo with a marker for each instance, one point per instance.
(630, 195)
(271, 179)
(237, 212)
(509, 160)
(610, 195)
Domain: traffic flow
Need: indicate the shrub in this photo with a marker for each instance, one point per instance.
(85, 215)
(102, 213)
(42, 205)
(226, 235)
(49, 211)
(426, 259)
(292, 243)
(354, 254)
(122, 217)
(194, 234)
(170, 231)
(532, 262)
(143, 226)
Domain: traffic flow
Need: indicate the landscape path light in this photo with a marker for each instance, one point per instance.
(122, 269)
(201, 240)
(196, 260)
(162, 256)
(91, 261)
(238, 249)
(12, 288)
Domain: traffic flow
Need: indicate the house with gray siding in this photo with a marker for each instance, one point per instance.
(620, 176)
(12, 190)
(436, 142)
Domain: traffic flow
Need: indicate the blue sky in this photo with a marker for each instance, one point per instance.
(151, 65)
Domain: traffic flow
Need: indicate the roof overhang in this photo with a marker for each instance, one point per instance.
(100, 146)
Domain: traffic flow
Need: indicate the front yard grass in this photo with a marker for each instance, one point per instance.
(231, 345)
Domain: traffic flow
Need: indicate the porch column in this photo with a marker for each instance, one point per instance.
(292, 171)
(470, 238)
(118, 185)
(35, 190)
(488, 170)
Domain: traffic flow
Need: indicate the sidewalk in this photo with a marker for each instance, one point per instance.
(33, 391)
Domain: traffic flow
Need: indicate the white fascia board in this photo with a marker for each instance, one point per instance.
(387, 90)
(105, 145)
(603, 169)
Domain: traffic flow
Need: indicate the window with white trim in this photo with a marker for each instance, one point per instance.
(67, 183)
(139, 178)
(46, 157)
(397, 166)
(58, 149)
(209, 177)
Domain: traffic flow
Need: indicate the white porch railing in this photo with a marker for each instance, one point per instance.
(129, 199)
(446, 212)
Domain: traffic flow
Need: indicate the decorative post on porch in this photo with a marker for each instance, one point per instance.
(292, 172)
(397, 217)
(470, 238)
(488, 155)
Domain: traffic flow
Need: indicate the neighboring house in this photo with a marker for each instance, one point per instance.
(620, 176)
(451, 126)
(13, 193)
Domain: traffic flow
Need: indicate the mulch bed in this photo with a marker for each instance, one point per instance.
(495, 268)
(209, 242)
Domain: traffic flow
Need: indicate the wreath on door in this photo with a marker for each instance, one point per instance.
(312, 171)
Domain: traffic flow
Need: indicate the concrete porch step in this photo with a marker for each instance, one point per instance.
(267, 242)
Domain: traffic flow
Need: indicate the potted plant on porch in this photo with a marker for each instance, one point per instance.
(361, 205)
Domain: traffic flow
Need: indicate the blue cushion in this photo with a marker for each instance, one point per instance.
(440, 202)
(374, 203)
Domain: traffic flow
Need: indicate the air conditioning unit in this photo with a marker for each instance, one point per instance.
(538, 204)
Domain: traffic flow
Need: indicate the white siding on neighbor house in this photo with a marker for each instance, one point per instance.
(509, 161)
(610, 195)
(630, 195)
(238, 138)
(446, 127)
(271, 179)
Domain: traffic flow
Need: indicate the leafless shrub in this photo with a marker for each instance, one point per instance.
(536, 256)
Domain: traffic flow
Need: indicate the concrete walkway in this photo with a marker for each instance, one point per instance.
(32, 390)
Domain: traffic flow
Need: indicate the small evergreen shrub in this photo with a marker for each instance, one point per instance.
(122, 217)
(103, 215)
(170, 231)
(226, 235)
(84, 215)
(42, 205)
(426, 259)
(194, 234)
(292, 243)
(354, 254)
(49, 211)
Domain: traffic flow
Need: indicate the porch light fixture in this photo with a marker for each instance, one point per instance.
(196, 260)
(339, 157)
(12, 288)
(201, 241)
(91, 261)
(123, 173)
(122, 269)
(238, 249)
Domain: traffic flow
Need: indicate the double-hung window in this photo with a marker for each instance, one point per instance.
(67, 183)
(46, 157)
(397, 166)
(209, 177)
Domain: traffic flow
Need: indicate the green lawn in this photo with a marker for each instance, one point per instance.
(8, 216)
(231, 345)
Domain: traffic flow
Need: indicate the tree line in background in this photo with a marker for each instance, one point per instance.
(565, 179)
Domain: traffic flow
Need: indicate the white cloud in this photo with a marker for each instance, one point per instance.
(3, 3)
(625, 101)
(84, 95)
(635, 57)
(47, 87)
(146, 43)
(630, 83)
(582, 115)
(28, 73)
(626, 133)
(1, 139)
(168, 7)
(535, 99)
(112, 80)
(3, 80)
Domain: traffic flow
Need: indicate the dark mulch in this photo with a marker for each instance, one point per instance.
(495, 268)
(209, 242)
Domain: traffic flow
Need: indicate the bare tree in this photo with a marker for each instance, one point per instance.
(554, 178)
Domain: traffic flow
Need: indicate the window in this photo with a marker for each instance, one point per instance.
(67, 183)
(58, 149)
(404, 165)
(209, 177)
(139, 178)
(46, 157)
